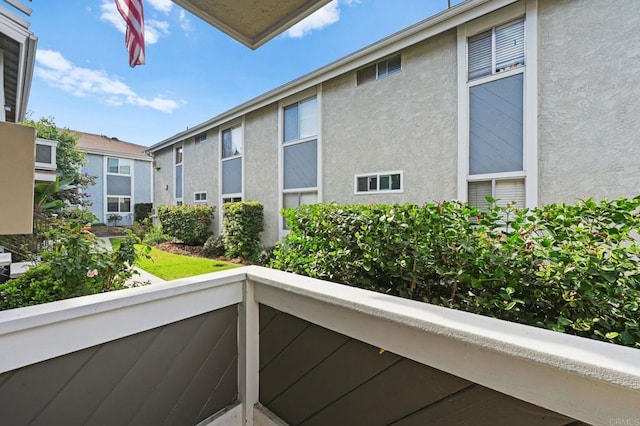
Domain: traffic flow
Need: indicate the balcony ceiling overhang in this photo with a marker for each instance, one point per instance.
(251, 22)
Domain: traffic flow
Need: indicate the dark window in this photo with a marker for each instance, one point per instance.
(366, 74)
(379, 70)
(44, 154)
(379, 182)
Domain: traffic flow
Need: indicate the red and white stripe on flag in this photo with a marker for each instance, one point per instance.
(132, 12)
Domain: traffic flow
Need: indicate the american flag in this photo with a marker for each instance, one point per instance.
(133, 14)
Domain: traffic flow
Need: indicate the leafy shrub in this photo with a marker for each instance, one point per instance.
(141, 228)
(266, 256)
(75, 265)
(141, 211)
(189, 224)
(243, 222)
(214, 246)
(155, 236)
(114, 218)
(78, 216)
(569, 268)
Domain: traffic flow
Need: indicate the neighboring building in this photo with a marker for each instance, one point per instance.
(532, 100)
(124, 174)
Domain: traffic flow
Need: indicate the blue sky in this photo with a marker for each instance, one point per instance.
(193, 71)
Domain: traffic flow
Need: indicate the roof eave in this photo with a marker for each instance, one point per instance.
(29, 65)
(420, 31)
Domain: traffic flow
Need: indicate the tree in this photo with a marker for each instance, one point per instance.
(69, 161)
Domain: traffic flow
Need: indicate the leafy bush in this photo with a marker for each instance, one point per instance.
(189, 224)
(141, 211)
(569, 268)
(114, 218)
(75, 265)
(266, 256)
(243, 222)
(214, 246)
(78, 216)
(155, 236)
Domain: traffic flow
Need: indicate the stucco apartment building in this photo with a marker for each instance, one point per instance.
(534, 101)
(124, 176)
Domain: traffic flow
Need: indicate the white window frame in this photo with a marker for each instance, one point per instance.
(200, 193)
(119, 197)
(318, 189)
(528, 10)
(54, 152)
(200, 138)
(176, 200)
(231, 199)
(378, 176)
(119, 173)
(494, 181)
(377, 67)
(106, 195)
(229, 126)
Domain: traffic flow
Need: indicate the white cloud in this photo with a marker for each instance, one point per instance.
(58, 72)
(185, 22)
(325, 16)
(161, 5)
(153, 29)
(54, 60)
(111, 15)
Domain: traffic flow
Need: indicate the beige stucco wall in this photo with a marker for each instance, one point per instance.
(200, 172)
(201, 168)
(261, 166)
(163, 177)
(18, 143)
(406, 121)
(589, 99)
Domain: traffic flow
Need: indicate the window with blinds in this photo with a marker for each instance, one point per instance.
(504, 190)
(496, 50)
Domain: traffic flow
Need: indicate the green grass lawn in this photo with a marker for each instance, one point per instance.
(169, 266)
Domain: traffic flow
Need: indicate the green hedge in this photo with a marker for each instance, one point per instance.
(189, 224)
(142, 211)
(242, 223)
(569, 268)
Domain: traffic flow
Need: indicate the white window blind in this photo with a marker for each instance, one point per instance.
(510, 190)
(480, 55)
(478, 191)
(505, 191)
(509, 45)
(496, 50)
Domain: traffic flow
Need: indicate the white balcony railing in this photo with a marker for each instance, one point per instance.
(587, 380)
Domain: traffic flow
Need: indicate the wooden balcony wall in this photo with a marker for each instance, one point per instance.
(264, 347)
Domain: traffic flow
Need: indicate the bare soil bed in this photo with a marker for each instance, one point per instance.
(179, 248)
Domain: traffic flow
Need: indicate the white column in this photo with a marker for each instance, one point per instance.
(3, 114)
(248, 352)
